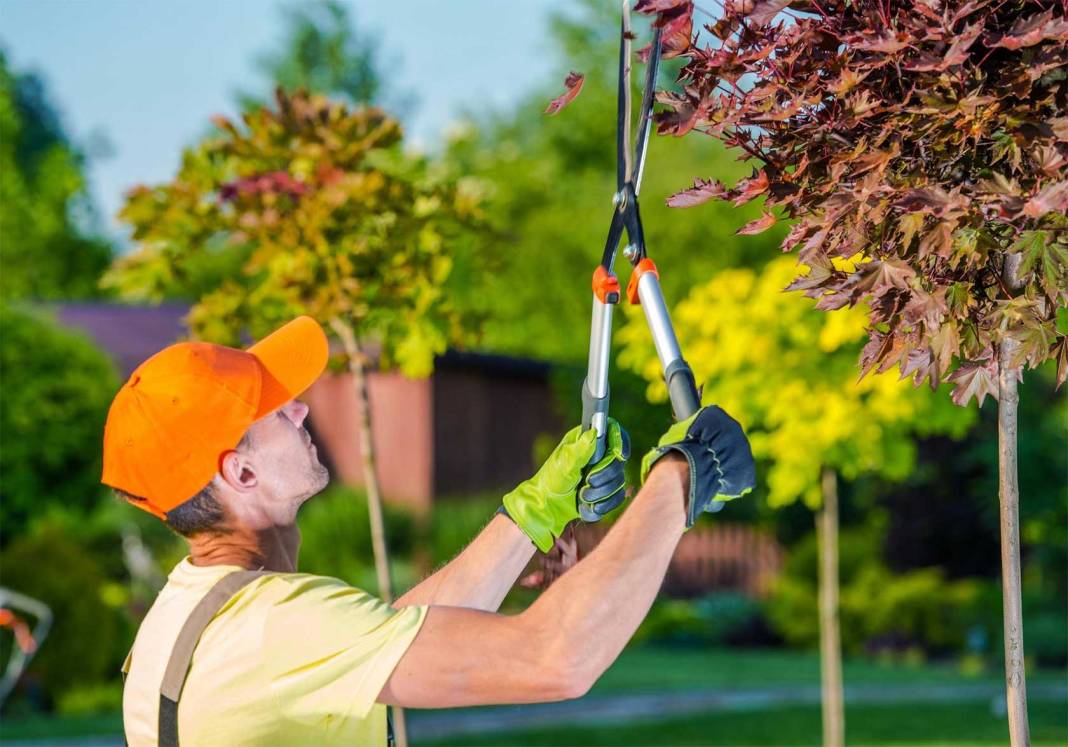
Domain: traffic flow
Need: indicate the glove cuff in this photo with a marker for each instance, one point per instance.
(534, 524)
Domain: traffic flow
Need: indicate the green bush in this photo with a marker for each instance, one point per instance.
(56, 391)
(880, 609)
(86, 644)
(454, 523)
(1046, 638)
(336, 535)
(85, 700)
(717, 619)
(336, 538)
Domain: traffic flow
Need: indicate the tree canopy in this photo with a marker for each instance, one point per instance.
(549, 183)
(57, 389)
(788, 374)
(308, 207)
(47, 251)
(929, 138)
(322, 51)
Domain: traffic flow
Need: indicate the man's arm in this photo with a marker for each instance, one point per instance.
(479, 577)
(558, 647)
(540, 509)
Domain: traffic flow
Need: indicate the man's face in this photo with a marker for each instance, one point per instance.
(286, 461)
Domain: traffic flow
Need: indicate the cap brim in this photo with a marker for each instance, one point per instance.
(292, 357)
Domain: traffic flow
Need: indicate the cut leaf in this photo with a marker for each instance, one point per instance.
(573, 85)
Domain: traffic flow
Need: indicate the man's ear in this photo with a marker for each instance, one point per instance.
(236, 470)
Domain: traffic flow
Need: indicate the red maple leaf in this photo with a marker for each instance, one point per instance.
(573, 84)
(701, 191)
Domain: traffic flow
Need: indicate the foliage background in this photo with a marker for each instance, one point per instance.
(919, 553)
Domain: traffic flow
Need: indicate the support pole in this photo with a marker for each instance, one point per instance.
(831, 699)
(1009, 502)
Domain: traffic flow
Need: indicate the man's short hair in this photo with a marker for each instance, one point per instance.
(201, 513)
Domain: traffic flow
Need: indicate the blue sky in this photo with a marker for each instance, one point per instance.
(147, 75)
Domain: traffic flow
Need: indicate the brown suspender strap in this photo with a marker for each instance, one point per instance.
(182, 654)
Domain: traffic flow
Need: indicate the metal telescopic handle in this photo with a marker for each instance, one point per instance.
(682, 389)
(595, 387)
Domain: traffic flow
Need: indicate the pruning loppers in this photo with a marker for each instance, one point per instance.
(644, 285)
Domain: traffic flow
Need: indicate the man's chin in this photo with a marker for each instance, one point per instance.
(320, 479)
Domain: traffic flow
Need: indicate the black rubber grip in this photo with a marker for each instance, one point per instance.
(682, 389)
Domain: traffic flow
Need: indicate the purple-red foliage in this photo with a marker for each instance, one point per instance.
(572, 86)
(927, 138)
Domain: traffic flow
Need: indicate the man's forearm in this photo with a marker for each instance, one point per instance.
(480, 576)
(597, 605)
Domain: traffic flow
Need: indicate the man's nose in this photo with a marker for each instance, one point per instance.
(296, 411)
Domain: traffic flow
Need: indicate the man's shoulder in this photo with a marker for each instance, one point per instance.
(285, 589)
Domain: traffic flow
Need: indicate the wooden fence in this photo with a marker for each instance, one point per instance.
(718, 557)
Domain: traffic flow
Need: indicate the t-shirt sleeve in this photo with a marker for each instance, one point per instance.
(330, 648)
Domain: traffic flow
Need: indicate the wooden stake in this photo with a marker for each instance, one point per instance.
(1009, 500)
(831, 696)
(358, 369)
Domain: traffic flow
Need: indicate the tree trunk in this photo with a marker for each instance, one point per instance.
(1009, 495)
(830, 641)
(358, 369)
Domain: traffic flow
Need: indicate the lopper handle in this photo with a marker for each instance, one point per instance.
(595, 387)
(682, 389)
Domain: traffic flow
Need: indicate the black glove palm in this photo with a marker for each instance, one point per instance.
(720, 458)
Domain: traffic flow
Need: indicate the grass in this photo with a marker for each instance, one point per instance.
(657, 669)
(661, 669)
(55, 727)
(917, 724)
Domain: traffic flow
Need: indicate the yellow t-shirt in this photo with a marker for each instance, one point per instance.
(291, 659)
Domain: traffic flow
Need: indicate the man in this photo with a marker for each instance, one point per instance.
(240, 649)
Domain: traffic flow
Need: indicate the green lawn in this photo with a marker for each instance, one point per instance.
(926, 725)
(657, 669)
(43, 727)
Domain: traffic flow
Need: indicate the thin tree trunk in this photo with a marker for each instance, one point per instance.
(830, 642)
(1009, 495)
(357, 367)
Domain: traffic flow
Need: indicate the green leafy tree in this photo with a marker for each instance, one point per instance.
(322, 52)
(57, 389)
(788, 374)
(932, 139)
(45, 252)
(313, 209)
(548, 183)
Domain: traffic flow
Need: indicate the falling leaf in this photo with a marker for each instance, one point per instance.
(572, 84)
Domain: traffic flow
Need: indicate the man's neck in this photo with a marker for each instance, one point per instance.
(271, 549)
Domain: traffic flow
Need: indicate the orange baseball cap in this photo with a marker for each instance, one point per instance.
(188, 404)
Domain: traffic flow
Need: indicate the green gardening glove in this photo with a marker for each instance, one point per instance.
(546, 503)
(719, 455)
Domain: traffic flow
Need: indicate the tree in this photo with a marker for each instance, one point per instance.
(787, 373)
(548, 184)
(310, 208)
(930, 139)
(323, 52)
(57, 389)
(46, 251)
